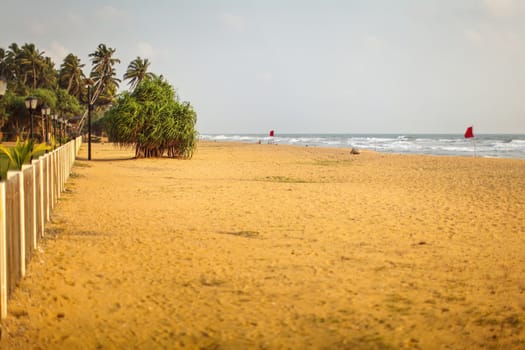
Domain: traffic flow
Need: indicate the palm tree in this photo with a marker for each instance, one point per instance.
(3, 61)
(49, 75)
(103, 72)
(102, 77)
(71, 75)
(138, 71)
(32, 61)
(13, 68)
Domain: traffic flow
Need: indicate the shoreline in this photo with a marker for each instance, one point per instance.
(249, 246)
(508, 146)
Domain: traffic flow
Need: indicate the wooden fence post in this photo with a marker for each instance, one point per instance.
(53, 170)
(50, 180)
(54, 178)
(42, 193)
(59, 173)
(22, 223)
(47, 186)
(3, 253)
(35, 207)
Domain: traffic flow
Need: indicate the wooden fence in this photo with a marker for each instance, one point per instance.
(26, 200)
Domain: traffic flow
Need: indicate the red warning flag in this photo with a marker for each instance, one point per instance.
(271, 133)
(469, 133)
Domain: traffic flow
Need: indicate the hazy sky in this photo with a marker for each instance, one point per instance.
(399, 66)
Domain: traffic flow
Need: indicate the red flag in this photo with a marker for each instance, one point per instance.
(271, 133)
(469, 133)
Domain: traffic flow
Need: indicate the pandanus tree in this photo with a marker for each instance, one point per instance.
(153, 121)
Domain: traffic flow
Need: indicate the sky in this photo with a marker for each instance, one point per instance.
(326, 66)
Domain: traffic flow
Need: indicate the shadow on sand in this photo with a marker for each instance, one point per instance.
(105, 159)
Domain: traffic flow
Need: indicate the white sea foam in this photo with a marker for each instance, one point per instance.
(500, 146)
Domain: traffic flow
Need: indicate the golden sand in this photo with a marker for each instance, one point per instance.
(272, 246)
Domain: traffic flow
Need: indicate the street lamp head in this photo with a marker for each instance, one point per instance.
(31, 102)
(3, 85)
(45, 110)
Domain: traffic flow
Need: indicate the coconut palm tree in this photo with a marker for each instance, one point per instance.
(103, 71)
(32, 61)
(137, 71)
(102, 77)
(12, 60)
(48, 77)
(12, 69)
(71, 75)
(3, 61)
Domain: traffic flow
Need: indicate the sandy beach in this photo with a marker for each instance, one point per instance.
(270, 246)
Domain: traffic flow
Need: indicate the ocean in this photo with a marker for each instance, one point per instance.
(483, 145)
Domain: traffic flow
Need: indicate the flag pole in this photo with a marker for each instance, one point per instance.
(474, 141)
(469, 134)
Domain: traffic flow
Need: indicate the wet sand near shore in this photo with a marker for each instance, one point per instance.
(273, 246)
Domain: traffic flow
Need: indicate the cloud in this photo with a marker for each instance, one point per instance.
(502, 28)
(373, 42)
(74, 18)
(57, 52)
(473, 36)
(265, 77)
(508, 40)
(145, 50)
(38, 28)
(500, 8)
(502, 41)
(110, 13)
(233, 22)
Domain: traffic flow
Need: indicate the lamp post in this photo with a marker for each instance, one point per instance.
(90, 108)
(60, 123)
(31, 103)
(64, 124)
(54, 121)
(46, 112)
(3, 86)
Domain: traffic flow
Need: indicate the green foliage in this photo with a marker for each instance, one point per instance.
(71, 76)
(22, 153)
(45, 96)
(152, 120)
(4, 166)
(67, 104)
(103, 73)
(27, 68)
(52, 142)
(137, 71)
(13, 112)
(162, 128)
